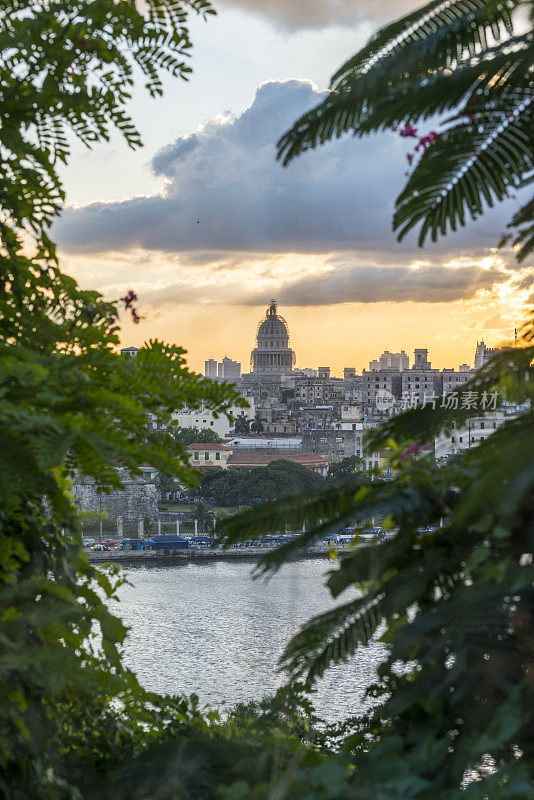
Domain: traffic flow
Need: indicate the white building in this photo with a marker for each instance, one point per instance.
(203, 418)
(475, 431)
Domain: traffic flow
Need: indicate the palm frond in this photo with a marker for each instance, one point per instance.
(332, 637)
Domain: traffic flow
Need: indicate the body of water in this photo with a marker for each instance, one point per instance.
(213, 630)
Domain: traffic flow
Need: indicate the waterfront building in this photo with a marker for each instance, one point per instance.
(349, 373)
(323, 373)
(272, 354)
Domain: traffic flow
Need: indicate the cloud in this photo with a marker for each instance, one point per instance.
(335, 286)
(224, 191)
(428, 284)
(302, 14)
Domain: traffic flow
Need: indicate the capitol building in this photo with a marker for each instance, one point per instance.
(272, 354)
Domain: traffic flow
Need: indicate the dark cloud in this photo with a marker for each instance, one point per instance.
(428, 284)
(349, 284)
(302, 14)
(224, 191)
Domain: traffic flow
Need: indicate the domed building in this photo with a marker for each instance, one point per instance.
(272, 354)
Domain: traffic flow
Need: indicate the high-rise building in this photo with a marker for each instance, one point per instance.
(210, 368)
(399, 361)
(229, 370)
(272, 354)
(421, 359)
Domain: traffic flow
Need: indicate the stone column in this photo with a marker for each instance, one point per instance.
(100, 531)
(177, 527)
(159, 527)
(120, 534)
(196, 527)
(140, 527)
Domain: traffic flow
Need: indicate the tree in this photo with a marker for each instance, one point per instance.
(344, 470)
(462, 59)
(257, 423)
(189, 435)
(276, 480)
(242, 425)
(205, 516)
(70, 402)
(165, 485)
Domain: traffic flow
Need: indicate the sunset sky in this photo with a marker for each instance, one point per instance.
(316, 236)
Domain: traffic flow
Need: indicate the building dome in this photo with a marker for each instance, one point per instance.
(272, 325)
(272, 353)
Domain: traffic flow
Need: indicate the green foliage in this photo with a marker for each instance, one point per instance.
(461, 59)
(454, 608)
(187, 436)
(69, 709)
(257, 423)
(205, 516)
(280, 478)
(242, 425)
(343, 471)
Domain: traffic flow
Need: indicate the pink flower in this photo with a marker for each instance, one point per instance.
(408, 130)
(411, 450)
(426, 141)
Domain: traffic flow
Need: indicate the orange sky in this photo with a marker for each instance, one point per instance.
(336, 336)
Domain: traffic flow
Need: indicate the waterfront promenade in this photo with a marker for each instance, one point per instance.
(181, 557)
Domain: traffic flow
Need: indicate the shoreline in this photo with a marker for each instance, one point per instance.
(160, 558)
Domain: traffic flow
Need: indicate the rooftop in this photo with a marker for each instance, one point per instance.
(208, 446)
(244, 460)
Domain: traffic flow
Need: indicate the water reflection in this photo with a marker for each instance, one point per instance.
(211, 629)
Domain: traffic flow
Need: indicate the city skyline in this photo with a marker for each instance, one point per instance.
(241, 354)
(316, 235)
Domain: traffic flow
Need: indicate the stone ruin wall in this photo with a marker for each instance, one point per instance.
(138, 499)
